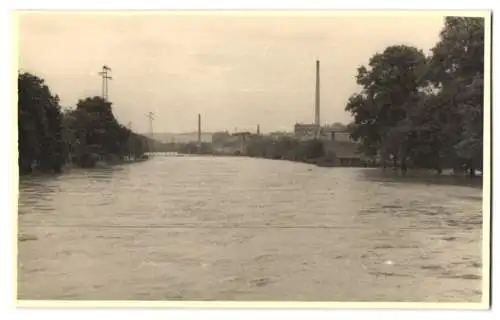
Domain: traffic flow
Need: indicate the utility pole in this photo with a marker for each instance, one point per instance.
(150, 116)
(105, 77)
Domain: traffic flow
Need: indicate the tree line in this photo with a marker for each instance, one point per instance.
(424, 111)
(50, 137)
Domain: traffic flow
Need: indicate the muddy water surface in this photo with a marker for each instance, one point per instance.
(202, 228)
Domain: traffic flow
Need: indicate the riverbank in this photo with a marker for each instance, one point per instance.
(72, 166)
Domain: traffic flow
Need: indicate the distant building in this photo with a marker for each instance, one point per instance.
(280, 134)
(242, 134)
(305, 131)
(329, 133)
(308, 132)
(220, 137)
(225, 142)
(243, 137)
(186, 137)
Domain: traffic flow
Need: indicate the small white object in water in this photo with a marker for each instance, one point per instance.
(389, 262)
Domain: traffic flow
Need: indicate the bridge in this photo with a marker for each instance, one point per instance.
(164, 154)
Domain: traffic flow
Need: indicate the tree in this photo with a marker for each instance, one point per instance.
(39, 126)
(389, 82)
(91, 132)
(425, 109)
(457, 66)
(102, 128)
(49, 137)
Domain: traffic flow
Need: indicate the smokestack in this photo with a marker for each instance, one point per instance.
(317, 102)
(199, 129)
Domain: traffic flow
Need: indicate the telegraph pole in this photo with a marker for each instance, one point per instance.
(105, 77)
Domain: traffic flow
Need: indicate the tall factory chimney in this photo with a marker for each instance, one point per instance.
(317, 102)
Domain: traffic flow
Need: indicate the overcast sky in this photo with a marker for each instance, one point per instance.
(236, 70)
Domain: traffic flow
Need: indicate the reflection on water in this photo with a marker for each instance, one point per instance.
(422, 177)
(202, 228)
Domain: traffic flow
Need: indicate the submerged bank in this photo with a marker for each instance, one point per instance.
(107, 163)
(428, 176)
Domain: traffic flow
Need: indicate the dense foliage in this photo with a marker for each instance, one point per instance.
(39, 125)
(426, 111)
(49, 138)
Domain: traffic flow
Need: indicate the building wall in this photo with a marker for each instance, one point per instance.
(220, 137)
(279, 135)
(305, 130)
(308, 131)
(339, 136)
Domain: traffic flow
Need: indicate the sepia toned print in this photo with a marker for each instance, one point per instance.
(252, 157)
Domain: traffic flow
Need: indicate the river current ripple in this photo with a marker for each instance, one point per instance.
(203, 228)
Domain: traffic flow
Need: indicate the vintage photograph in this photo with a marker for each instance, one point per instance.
(293, 156)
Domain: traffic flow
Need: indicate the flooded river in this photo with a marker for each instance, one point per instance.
(203, 228)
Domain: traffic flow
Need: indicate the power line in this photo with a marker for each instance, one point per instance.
(105, 77)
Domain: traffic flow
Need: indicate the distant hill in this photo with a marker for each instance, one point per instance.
(185, 137)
